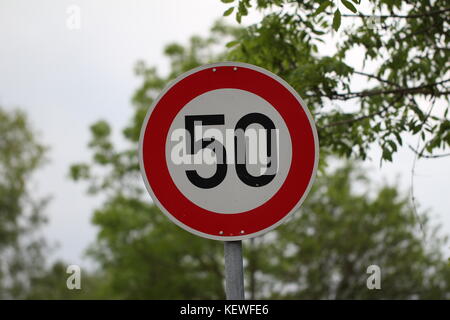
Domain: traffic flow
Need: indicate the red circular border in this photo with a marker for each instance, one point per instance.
(218, 224)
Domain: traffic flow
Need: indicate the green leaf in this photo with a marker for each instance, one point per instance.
(349, 6)
(416, 129)
(322, 7)
(318, 32)
(79, 171)
(238, 17)
(100, 129)
(232, 43)
(228, 11)
(392, 145)
(399, 138)
(227, 1)
(337, 20)
(387, 155)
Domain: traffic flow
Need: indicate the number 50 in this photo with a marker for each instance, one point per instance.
(240, 147)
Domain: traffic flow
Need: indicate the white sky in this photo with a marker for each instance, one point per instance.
(68, 79)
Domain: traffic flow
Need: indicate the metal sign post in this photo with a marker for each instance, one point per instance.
(234, 270)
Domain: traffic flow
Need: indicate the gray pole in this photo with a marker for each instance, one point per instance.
(234, 270)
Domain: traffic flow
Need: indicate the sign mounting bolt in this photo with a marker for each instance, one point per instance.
(235, 69)
(220, 232)
(214, 69)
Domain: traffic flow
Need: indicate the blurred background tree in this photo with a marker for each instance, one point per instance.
(344, 227)
(22, 247)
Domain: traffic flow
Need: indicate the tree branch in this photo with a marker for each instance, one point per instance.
(348, 121)
(370, 115)
(368, 75)
(385, 16)
(428, 156)
(427, 89)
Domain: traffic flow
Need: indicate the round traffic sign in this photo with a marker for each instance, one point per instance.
(228, 151)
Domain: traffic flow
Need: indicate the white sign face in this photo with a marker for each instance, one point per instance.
(231, 195)
(228, 151)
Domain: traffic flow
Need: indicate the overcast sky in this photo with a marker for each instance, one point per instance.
(67, 79)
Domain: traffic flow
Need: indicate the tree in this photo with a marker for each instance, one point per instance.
(344, 227)
(145, 256)
(21, 246)
(382, 77)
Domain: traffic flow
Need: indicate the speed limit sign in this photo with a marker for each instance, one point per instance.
(228, 151)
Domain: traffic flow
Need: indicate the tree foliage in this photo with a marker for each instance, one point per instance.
(21, 247)
(384, 75)
(145, 256)
(341, 230)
